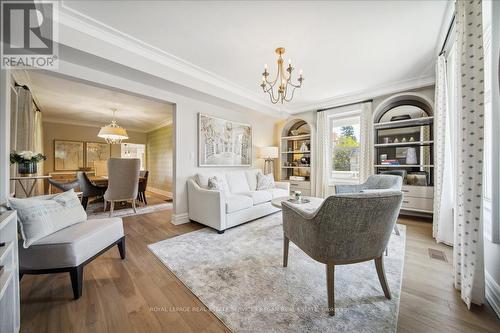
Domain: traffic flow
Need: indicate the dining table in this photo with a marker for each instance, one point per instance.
(103, 180)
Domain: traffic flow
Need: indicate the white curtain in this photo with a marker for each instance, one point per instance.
(443, 228)
(468, 250)
(366, 133)
(38, 147)
(321, 165)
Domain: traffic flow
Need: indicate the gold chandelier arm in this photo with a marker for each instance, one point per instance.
(291, 96)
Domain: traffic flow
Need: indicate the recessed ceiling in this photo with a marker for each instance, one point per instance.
(343, 47)
(65, 100)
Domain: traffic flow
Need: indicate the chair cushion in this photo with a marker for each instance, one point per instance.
(235, 202)
(278, 192)
(237, 182)
(259, 197)
(265, 182)
(73, 245)
(41, 216)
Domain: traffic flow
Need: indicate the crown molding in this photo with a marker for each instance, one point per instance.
(86, 124)
(363, 94)
(101, 31)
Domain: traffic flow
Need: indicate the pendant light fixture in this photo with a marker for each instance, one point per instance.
(112, 133)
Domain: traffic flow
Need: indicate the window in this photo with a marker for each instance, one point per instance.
(344, 148)
(134, 150)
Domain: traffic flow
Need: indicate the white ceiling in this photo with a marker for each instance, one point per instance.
(344, 47)
(68, 101)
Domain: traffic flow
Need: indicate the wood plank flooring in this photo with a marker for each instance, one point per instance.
(140, 295)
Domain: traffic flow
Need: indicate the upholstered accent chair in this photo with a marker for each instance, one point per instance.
(345, 229)
(70, 249)
(374, 183)
(123, 181)
(143, 185)
(88, 189)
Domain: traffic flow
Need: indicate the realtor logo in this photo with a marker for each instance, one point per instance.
(29, 33)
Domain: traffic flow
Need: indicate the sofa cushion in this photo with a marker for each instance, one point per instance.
(203, 177)
(259, 197)
(237, 182)
(73, 245)
(252, 178)
(277, 192)
(235, 202)
(41, 216)
(265, 182)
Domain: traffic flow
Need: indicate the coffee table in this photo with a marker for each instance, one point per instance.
(312, 205)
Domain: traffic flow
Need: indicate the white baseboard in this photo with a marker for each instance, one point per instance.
(180, 218)
(492, 293)
(158, 191)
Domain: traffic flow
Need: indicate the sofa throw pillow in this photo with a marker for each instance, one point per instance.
(215, 183)
(41, 216)
(265, 182)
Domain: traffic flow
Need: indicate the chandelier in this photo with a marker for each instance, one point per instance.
(283, 78)
(113, 133)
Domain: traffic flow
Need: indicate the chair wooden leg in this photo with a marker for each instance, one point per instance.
(133, 206)
(379, 264)
(105, 205)
(330, 288)
(85, 201)
(111, 208)
(286, 244)
(76, 275)
(121, 247)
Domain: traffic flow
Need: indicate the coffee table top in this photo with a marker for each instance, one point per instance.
(313, 203)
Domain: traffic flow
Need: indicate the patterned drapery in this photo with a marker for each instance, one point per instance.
(468, 246)
(366, 133)
(442, 228)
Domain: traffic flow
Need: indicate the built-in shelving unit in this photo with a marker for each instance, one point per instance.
(296, 155)
(9, 275)
(403, 145)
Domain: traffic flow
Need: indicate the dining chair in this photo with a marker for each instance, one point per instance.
(143, 184)
(63, 186)
(345, 229)
(123, 182)
(88, 189)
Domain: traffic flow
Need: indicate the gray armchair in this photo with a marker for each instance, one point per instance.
(374, 183)
(345, 229)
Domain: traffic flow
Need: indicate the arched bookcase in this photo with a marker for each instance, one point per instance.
(297, 155)
(403, 132)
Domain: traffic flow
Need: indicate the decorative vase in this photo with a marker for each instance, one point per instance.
(26, 168)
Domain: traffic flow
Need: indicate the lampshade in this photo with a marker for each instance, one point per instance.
(268, 152)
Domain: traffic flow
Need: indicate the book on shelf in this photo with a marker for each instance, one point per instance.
(389, 162)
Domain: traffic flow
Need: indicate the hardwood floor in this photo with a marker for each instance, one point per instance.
(140, 295)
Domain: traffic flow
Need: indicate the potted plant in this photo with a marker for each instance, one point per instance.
(26, 161)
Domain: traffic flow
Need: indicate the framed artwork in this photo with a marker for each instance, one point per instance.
(96, 151)
(68, 155)
(223, 142)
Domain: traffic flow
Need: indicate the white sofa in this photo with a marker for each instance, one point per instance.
(238, 203)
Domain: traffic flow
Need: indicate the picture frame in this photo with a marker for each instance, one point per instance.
(96, 151)
(69, 155)
(223, 143)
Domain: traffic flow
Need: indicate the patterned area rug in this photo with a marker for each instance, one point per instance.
(95, 209)
(239, 276)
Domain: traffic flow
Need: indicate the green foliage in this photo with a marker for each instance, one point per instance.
(344, 149)
(26, 157)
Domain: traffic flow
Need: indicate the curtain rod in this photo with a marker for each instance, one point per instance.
(27, 88)
(448, 33)
(339, 106)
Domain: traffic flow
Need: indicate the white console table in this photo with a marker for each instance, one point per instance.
(9, 275)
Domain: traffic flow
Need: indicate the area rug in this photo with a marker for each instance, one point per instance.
(239, 276)
(95, 210)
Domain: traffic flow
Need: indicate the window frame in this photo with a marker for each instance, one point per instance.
(341, 177)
